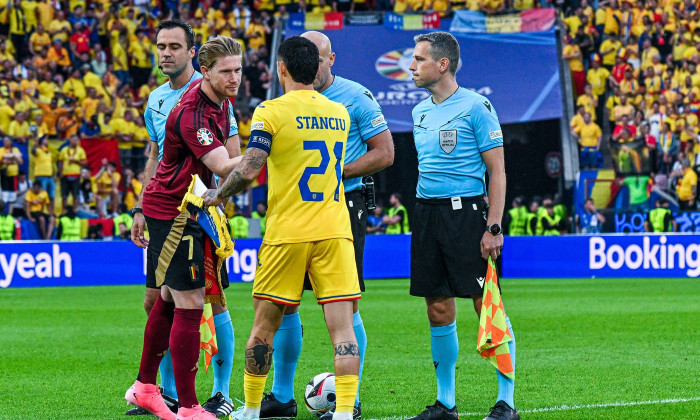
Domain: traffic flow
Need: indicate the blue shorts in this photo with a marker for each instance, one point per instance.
(48, 184)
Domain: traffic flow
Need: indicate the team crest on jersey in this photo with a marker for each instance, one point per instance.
(448, 140)
(205, 136)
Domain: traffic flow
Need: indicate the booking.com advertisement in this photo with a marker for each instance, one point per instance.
(84, 263)
(653, 255)
(87, 263)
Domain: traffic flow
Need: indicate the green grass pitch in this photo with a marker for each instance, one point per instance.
(582, 345)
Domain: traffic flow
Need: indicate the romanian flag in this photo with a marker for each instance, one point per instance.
(494, 335)
(207, 334)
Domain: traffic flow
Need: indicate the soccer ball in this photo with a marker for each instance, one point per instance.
(320, 393)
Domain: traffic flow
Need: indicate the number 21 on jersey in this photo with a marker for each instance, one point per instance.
(306, 193)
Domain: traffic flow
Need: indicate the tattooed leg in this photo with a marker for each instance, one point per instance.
(258, 354)
(346, 352)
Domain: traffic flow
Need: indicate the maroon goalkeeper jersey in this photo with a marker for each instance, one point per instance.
(195, 127)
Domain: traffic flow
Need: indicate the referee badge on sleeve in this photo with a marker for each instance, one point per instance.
(448, 140)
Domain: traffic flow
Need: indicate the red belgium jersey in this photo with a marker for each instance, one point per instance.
(195, 127)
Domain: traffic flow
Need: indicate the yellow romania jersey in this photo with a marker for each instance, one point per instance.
(305, 135)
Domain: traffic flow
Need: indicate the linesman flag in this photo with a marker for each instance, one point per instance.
(207, 332)
(494, 335)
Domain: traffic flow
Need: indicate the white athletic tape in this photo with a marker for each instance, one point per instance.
(575, 407)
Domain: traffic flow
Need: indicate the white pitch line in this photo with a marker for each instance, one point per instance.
(576, 407)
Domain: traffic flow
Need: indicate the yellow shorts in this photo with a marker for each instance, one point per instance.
(330, 263)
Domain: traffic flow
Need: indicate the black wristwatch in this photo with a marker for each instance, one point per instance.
(136, 210)
(494, 229)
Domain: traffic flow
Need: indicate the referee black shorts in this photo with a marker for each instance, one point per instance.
(446, 248)
(175, 254)
(358, 224)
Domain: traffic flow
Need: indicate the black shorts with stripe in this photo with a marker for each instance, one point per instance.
(357, 210)
(446, 248)
(175, 254)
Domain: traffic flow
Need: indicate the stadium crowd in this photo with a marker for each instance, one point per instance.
(73, 72)
(634, 68)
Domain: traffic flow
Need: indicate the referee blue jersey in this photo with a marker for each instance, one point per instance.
(160, 102)
(450, 138)
(366, 120)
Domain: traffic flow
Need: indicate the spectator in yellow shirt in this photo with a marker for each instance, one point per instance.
(119, 60)
(7, 112)
(589, 101)
(60, 28)
(74, 86)
(19, 128)
(608, 51)
(597, 77)
(70, 161)
(256, 32)
(322, 7)
(589, 136)
(39, 39)
(10, 159)
(124, 130)
(623, 108)
(577, 121)
(36, 204)
(43, 168)
(572, 54)
(139, 52)
(45, 12)
(687, 187)
(244, 129)
(491, 7)
(107, 181)
(613, 17)
(133, 187)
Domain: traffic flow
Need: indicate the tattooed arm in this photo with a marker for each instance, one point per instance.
(249, 168)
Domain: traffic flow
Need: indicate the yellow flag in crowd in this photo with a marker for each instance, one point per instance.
(494, 335)
(207, 334)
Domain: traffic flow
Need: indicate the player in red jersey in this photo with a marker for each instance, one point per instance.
(196, 130)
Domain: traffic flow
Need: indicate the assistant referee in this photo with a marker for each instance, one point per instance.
(458, 138)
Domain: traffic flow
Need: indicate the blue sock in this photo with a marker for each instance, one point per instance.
(445, 347)
(506, 386)
(287, 349)
(167, 376)
(223, 359)
(361, 336)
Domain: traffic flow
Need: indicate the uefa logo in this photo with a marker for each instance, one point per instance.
(394, 64)
(205, 136)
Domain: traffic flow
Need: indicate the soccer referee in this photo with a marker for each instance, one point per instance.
(458, 138)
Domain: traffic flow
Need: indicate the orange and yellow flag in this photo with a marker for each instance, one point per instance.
(207, 333)
(494, 335)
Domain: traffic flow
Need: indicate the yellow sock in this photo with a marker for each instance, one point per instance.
(253, 387)
(345, 392)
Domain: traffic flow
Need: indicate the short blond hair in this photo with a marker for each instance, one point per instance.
(221, 46)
